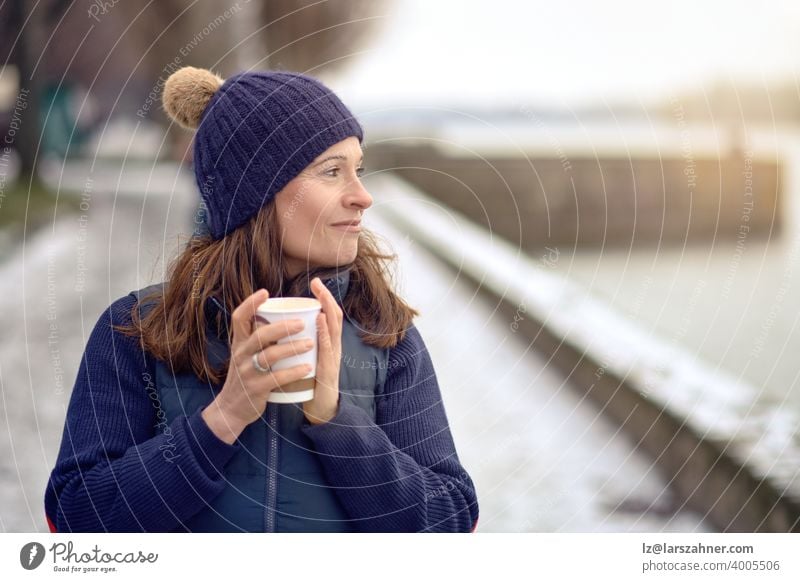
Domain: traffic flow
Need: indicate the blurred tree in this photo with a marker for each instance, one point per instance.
(22, 29)
(318, 37)
(122, 52)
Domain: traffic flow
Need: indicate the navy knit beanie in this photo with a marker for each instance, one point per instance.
(255, 132)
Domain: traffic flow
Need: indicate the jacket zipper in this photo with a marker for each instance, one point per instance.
(272, 468)
(272, 447)
(271, 505)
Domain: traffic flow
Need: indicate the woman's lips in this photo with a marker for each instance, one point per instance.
(347, 227)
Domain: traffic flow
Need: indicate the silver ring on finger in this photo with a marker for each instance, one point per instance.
(258, 367)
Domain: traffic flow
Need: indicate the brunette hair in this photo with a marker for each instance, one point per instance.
(233, 268)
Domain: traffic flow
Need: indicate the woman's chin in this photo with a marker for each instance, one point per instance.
(343, 260)
(347, 254)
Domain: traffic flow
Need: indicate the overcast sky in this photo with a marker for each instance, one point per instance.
(569, 53)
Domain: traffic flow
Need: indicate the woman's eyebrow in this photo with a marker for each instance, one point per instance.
(335, 157)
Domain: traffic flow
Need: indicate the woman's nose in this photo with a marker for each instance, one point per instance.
(358, 195)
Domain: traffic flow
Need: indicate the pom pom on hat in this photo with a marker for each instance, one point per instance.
(187, 93)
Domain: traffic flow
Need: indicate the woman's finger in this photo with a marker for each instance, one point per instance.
(242, 316)
(330, 308)
(265, 335)
(324, 334)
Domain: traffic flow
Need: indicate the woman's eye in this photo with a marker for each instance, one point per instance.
(334, 172)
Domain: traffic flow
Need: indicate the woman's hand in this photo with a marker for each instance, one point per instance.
(244, 395)
(325, 404)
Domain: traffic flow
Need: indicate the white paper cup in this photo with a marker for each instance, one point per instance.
(276, 309)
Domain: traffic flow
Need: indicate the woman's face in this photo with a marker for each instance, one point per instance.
(327, 192)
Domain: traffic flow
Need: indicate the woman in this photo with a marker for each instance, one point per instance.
(168, 427)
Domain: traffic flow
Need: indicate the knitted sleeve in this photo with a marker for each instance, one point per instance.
(120, 468)
(400, 473)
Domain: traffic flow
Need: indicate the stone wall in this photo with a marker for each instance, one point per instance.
(533, 202)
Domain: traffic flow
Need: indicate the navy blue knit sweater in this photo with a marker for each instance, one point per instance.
(401, 470)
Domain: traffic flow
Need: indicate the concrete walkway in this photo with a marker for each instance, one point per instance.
(53, 288)
(542, 460)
